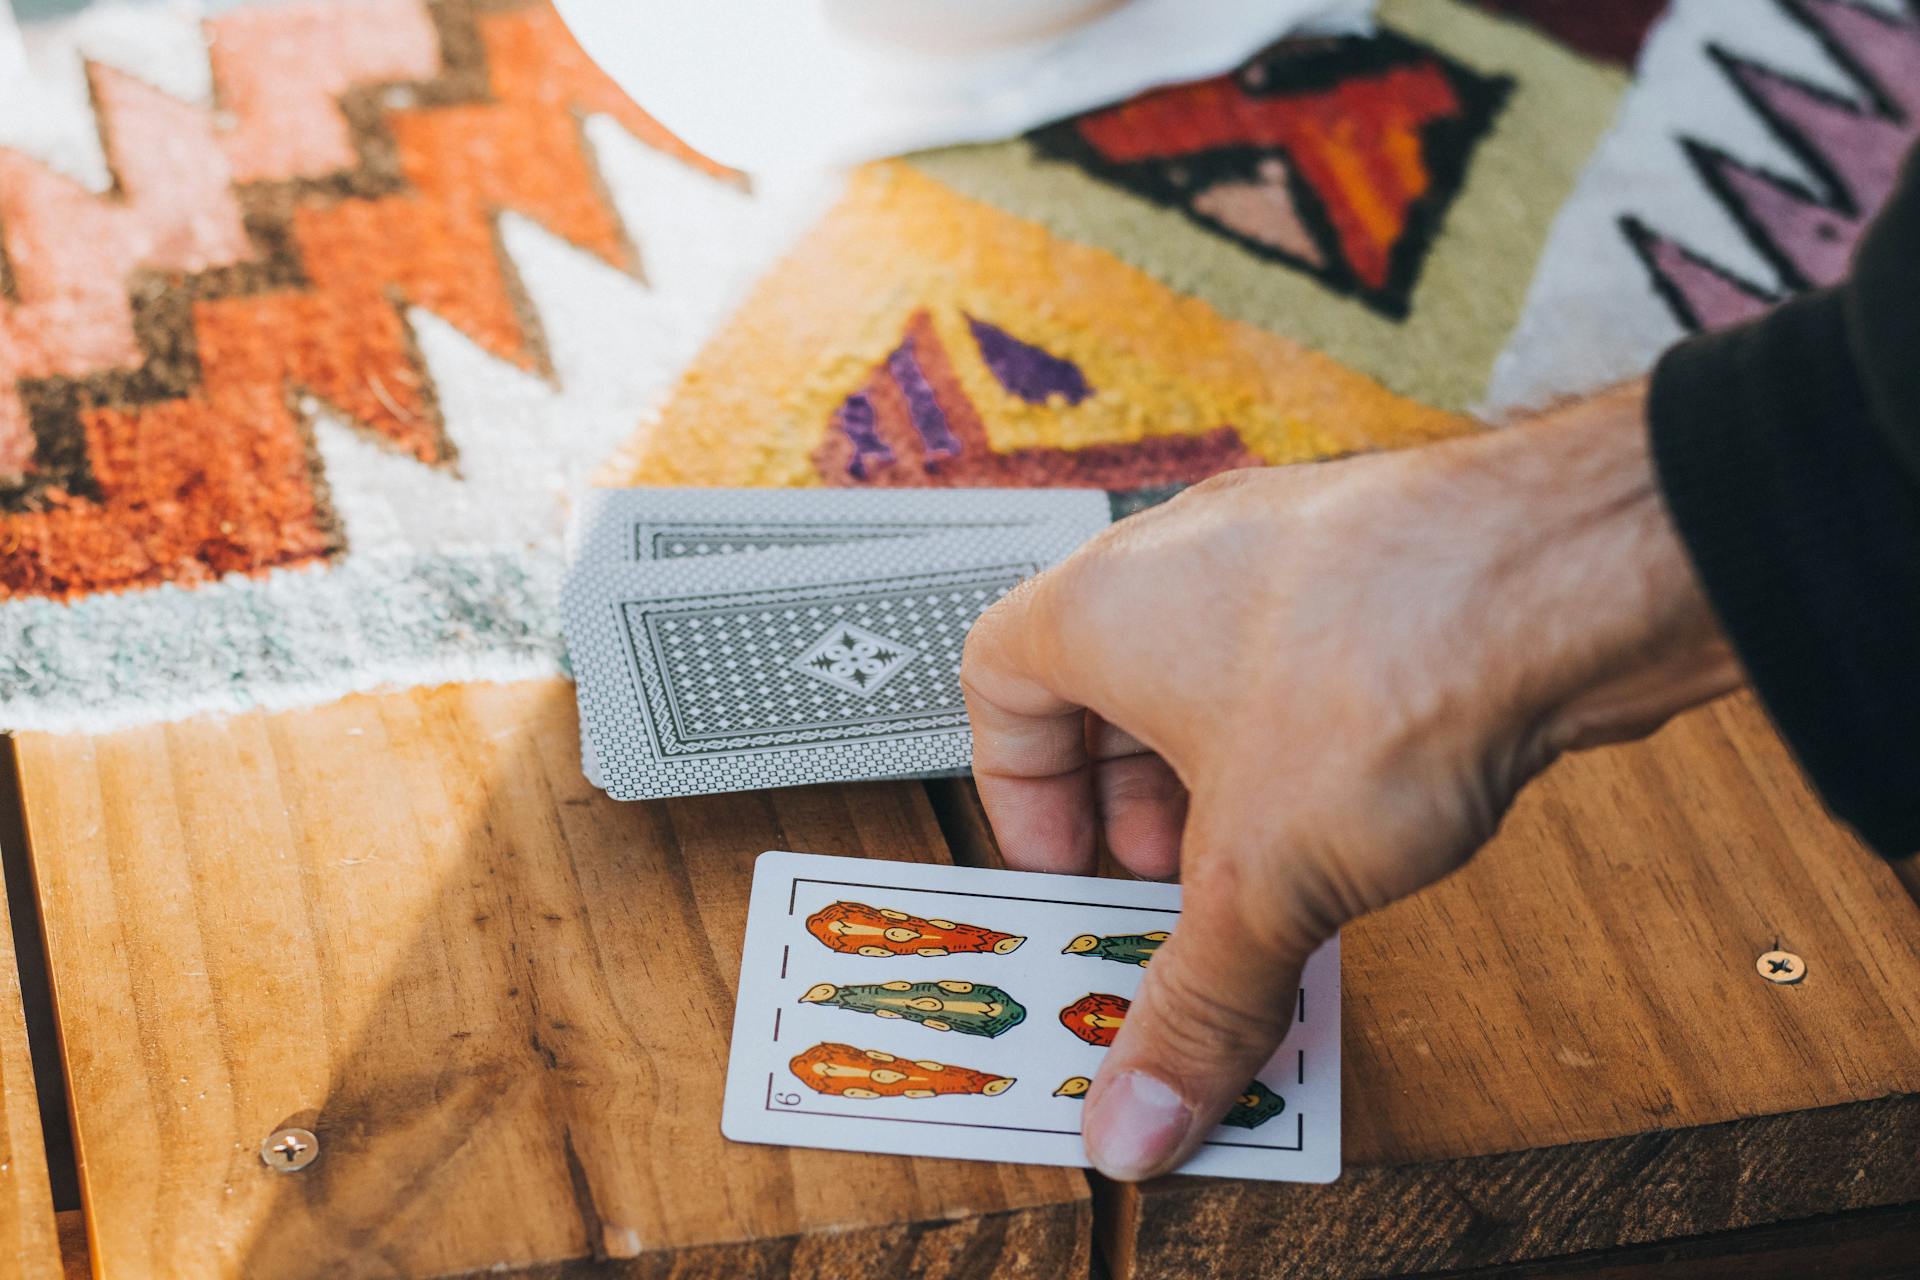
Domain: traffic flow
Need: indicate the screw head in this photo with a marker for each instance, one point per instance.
(289, 1150)
(1782, 967)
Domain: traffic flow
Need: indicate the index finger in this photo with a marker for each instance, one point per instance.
(1030, 756)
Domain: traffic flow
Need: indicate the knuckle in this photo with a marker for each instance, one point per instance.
(1152, 786)
(1314, 890)
(1222, 482)
(992, 632)
(1328, 894)
(1022, 625)
(1197, 1019)
(975, 660)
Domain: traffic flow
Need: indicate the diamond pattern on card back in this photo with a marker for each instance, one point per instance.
(854, 659)
(804, 665)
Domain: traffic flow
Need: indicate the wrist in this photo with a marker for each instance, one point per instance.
(1614, 633)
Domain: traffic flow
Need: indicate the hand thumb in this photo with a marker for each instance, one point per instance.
(1214, 1005)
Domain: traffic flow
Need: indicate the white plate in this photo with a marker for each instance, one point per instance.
(947, 24)
(13, 56)
(775, 85)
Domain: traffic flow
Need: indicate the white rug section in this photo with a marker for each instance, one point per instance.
(774, 86)
(48, 112)
(295, 638)
(1592, 316)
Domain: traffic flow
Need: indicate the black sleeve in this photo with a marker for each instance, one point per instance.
(1789, 452)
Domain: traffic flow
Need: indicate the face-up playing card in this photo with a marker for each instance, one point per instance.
(930, 1010)
(836, 663)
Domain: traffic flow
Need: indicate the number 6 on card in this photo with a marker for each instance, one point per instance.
(926, 1010)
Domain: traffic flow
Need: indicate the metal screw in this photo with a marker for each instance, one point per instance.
(1782, 967)
(289, 1150)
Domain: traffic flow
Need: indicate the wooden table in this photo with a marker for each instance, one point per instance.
(501, 1002)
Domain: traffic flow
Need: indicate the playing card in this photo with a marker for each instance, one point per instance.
(732, 672)
(619, 526)
(665, 524)
(917, 1009)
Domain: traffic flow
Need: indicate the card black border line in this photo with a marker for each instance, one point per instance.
(657, 758)
(650, 606)
(1299, 1125)
(659, 526)
(620, 769)
(793, 894)
(662, 758)
(677, 721)
(1028, 565)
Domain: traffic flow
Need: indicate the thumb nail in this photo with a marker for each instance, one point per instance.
(1135, 1127)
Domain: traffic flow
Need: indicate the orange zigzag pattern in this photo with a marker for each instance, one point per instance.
(71, 252)
(197, 463)
(172, 208)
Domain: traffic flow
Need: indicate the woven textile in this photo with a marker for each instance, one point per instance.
(314, 314)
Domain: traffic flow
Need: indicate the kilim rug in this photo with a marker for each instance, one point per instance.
(313, 315)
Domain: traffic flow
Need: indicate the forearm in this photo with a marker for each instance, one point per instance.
(1789, 450)
(1596, 626)
(1313, 690)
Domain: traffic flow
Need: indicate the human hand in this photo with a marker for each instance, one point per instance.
(1309, 691)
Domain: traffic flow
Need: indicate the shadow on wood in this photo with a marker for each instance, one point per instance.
(29, 1248)
(1872, 1244)
(501, 1001)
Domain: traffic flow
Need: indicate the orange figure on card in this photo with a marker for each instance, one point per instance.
(1095, 1018)
(847, 1072)
(858, 929)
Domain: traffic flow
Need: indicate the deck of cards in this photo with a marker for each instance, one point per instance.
(727, 640)
(737, 639)
(927, 1010)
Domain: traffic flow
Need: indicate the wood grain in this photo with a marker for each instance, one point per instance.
(75, 1262)
(1908, 871)
(1439, 1216)
(29, 1246)
(1873, 1244)
(500, 1000)
(1566, 1046)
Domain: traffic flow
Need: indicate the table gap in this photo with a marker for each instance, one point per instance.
(36, 987)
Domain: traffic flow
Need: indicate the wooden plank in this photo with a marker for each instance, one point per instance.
(1438, 1216)
(500, 1000)
(29, 1245)
(1874, 1244)
(1566, 1046)
(1908, 869)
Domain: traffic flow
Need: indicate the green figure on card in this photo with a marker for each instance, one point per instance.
(971, 1008)
(1126, 948)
